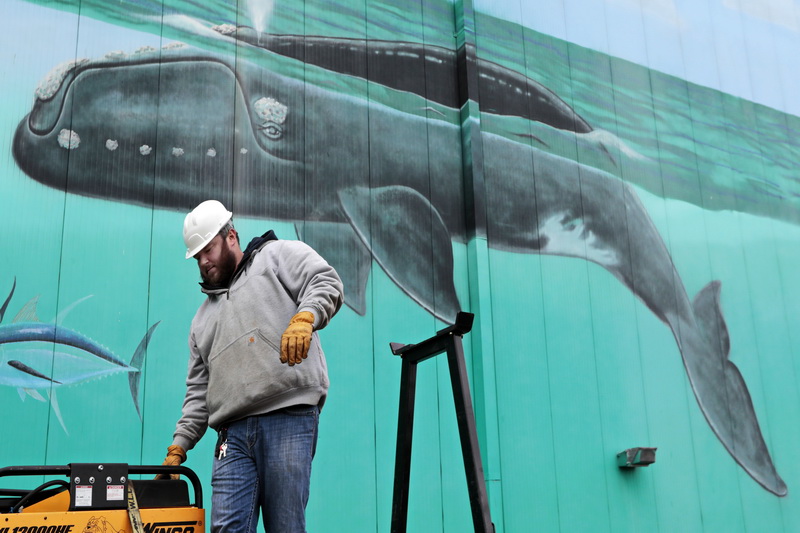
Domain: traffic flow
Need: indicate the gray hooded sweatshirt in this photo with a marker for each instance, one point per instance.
(234, 364)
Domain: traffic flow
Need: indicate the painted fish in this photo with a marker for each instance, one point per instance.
(36, 355)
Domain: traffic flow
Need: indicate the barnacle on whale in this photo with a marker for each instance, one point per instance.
(173, 45)
(115, 55)
(52, 81)
(224, 29)
(144, 50)
(68, 139)
(270, 110)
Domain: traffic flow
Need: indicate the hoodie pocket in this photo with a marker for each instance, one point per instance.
(305, 374)
(248, 372)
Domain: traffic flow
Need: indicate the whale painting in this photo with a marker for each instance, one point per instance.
(271, 144)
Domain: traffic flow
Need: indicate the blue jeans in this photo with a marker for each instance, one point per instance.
(266, 467)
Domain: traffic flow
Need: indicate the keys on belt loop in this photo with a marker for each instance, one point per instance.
(222, 444)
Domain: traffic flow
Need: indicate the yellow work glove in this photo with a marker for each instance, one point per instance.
(297, 338)
(175, 456)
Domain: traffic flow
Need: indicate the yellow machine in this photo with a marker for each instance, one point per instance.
(101, 498)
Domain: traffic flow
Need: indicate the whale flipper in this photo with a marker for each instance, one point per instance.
(341, 247)
(409, 240)
(722, 393)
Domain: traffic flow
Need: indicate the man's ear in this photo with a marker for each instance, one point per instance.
(233, 237)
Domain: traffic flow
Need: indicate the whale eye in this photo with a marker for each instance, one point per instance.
(273, 115)
(272, 131)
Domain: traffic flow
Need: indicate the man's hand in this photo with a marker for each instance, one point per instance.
(297, 338)
(175, 456)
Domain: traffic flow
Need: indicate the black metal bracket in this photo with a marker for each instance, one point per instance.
(447, 340)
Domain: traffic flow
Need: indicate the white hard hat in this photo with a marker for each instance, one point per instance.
(203, 224)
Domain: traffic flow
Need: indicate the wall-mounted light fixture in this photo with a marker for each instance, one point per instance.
(633, 457)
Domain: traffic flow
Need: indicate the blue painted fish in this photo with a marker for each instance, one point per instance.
(41, 356)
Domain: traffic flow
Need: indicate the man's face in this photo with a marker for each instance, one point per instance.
(217, 261)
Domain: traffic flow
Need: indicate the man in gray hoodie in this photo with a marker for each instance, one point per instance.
(257, 374)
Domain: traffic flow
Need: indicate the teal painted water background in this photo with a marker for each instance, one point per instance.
(582, 368)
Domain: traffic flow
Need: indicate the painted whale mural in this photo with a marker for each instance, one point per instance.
(174, 127)
(43, 356)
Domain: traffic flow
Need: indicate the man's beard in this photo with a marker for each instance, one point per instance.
(224, 269)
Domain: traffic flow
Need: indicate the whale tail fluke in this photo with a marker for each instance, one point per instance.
(708, 314)
(137, 361)
(721, 391)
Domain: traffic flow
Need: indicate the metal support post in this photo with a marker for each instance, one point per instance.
(447, 340)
